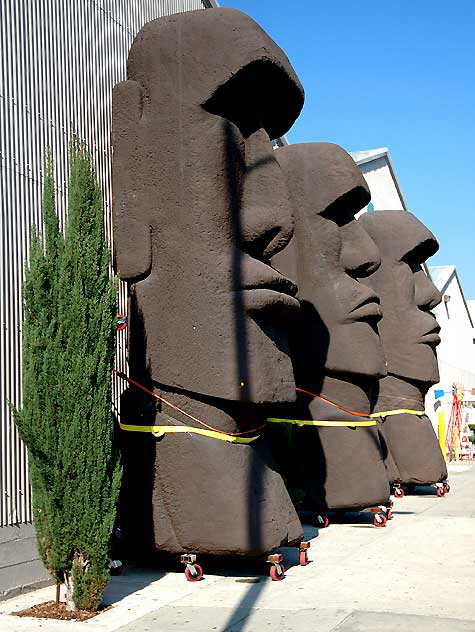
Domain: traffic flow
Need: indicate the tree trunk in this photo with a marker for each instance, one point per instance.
(83, 563)
(68, 582)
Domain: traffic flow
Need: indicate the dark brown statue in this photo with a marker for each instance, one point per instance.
(200, 207)
(335, 346)
(409, 335)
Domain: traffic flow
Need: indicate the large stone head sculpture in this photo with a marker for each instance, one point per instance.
(200, 205)
(336, 331)
(408, 329)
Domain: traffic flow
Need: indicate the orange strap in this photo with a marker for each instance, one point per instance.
(346, 410)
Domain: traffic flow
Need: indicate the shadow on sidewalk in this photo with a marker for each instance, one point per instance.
(132, 580)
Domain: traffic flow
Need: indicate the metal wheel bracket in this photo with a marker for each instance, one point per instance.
(275, 558)
(188, 558)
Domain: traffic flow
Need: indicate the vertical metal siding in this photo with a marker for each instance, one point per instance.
(59, 62)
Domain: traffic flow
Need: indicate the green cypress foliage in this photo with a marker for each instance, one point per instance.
(66, 418)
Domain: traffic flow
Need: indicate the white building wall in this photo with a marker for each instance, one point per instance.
(58, 63)
(471, 309)
(384, 193)
(457, 333)
(449, 375)
(456, 352)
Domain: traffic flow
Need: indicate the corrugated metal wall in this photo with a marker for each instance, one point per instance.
(59, 61)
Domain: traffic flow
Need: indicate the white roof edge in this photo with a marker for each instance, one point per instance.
(212, 4)
(367, 155)
(281, 141)
(442, 281)
(396, 182)
(441, 276)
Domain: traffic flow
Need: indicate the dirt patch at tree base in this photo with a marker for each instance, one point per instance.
(51, 610)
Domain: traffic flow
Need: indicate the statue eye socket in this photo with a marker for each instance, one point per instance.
(343, 210)
(260, 95)
(420, 253)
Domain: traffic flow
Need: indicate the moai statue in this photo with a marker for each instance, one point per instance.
(200, 207)
(409, 335)
(335, 347)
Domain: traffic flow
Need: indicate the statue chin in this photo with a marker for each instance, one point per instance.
(355, 349)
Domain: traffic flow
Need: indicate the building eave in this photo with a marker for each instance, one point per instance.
(446, 284)
(370, 155)
(396, 181)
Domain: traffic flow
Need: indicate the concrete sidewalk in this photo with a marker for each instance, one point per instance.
(418, 573)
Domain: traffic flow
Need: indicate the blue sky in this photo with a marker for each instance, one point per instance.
(397, 74)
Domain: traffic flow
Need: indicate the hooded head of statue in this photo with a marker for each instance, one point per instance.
(337, 324)
(200, 206)
(408, 329)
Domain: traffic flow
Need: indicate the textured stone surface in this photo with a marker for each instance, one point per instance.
(407, 295)
(409, 335)
(200, 207)
(335, 347)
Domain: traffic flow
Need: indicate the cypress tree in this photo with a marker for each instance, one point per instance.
(66, 418)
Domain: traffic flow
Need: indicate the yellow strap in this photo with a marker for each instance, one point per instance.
(159, 431)
(400, 411)
(301, 422)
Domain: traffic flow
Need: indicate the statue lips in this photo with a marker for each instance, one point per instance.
(367, 309)
(266, 290)
(431, 337)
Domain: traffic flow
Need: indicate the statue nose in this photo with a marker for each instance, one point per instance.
(359, 255)
(427, 296)
(265, 223)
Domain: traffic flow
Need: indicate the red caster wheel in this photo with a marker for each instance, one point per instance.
(193, 572)
(389, 514)
(303, 552)
(379, 520)
(121, 322)
(277, 572)
(115, 567)
(322, 521)
(399, 492)
(440, 492)
(446, 488)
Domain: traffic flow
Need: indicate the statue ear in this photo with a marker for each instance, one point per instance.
(131, 224)
(127, 103)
